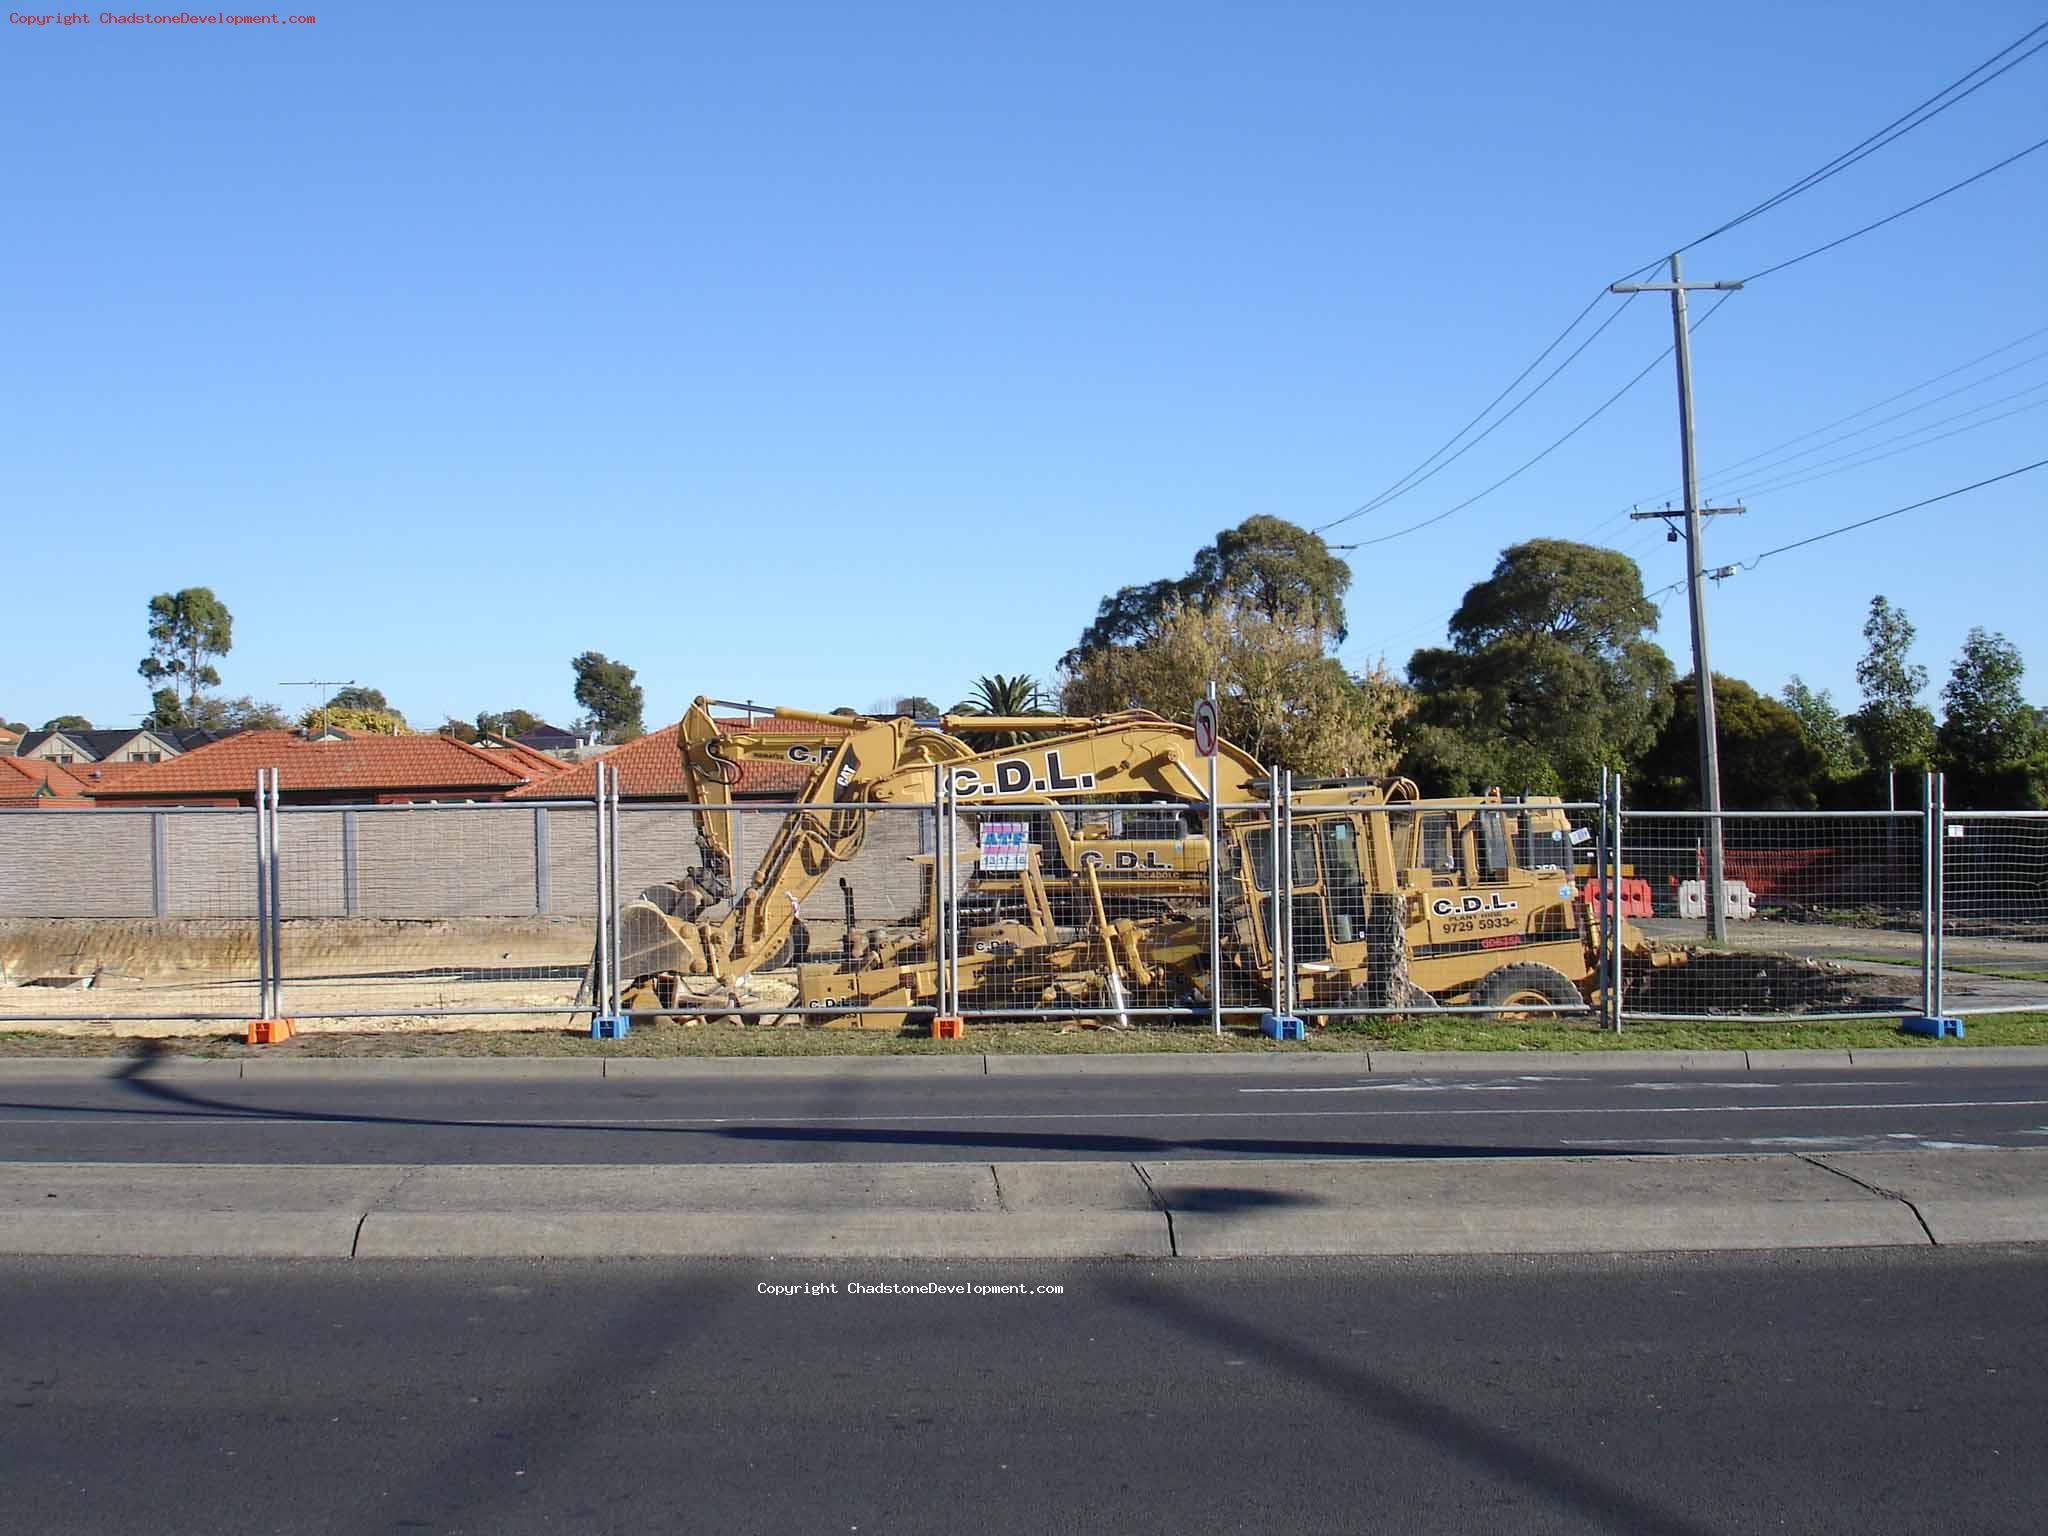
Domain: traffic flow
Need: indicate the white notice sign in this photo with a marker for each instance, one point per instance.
(1005, 847)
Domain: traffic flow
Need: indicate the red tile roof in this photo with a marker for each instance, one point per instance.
(22, 780)
(533, 762)
(364, 764)
(96, 776)
(650, 767)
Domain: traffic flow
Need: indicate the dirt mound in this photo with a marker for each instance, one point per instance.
(1715, 981)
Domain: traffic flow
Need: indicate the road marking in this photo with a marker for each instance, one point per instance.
(269, 1117)
(1519, 1085)
(1421, 1085)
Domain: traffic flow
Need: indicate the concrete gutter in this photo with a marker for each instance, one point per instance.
(1186, 1209)
(1281, 1062)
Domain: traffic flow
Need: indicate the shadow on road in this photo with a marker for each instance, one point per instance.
(136, 1077)
(1439, 1428)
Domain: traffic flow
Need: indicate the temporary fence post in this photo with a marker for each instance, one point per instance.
(262, 898)
(1287, 908)
(1215, 898)
(1933, 910)
(1613, 884)
(942, 891)
(1598, 884)
(601, 992)
(1278, 939)
(1929, 899)
(612, 893)
(1940, 893)
(276, 1009)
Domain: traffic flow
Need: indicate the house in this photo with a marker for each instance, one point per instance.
(127, 745)
(9, 741)
(364, 770)
(551, 739)
(33, 784)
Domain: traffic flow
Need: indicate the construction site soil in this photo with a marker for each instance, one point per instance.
(381, 976)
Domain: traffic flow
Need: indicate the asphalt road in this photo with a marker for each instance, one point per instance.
(1864, 1393)
(867, 1117)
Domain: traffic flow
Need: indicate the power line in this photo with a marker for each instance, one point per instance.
(1530, 463)
(1771, 468)
(1894, 217)
(1822, 474)
(1496, 424)
(1879, 405)
(1757, 560)
(1893, 131)
(1411, 479)
(1932, 107)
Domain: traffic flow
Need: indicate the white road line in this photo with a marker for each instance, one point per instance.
(261, 1117)
(1426, 1085)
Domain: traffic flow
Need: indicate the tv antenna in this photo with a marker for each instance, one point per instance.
(324, 684)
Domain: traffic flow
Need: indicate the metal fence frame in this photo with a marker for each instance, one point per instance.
(1941, 868)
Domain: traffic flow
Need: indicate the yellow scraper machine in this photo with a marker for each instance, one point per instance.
(1395, 901)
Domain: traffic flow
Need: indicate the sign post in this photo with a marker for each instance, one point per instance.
(1205, 744)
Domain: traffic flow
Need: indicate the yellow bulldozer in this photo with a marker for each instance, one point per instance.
(1396, 902)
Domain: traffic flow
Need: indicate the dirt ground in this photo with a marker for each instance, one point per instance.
(375, 977)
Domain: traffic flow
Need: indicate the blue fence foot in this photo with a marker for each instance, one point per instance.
(1282, 1026)
(616, 1027)
(1921, 1025)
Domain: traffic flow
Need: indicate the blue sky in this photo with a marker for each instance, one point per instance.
(820, 353)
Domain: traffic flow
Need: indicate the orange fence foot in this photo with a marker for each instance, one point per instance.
(269, 1031)
(947, 1027)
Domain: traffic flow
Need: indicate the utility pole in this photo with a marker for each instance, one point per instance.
(1702, 674)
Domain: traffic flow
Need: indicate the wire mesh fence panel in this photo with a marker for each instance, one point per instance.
(128, 914)
(1410, 907)
(1089, 910)
(1824, 914)
(777, 911)
(1994, 930)
(421, 910)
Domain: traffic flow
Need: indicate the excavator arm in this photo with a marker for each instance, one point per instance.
(854, 762)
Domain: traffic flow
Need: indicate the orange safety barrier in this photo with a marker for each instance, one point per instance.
(1635, 896)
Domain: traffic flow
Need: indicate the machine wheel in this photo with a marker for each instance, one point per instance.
(1527, 984)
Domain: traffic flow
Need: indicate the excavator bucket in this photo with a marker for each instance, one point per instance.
(661, 930)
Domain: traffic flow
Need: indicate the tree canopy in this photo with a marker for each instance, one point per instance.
(995, 694)
(185, 628)
(1990, 741)
(1279, 695)
(68, 723)
(1894, 726)
(1264, 565)
(1841, 755)
(357, 722)
(1551, 673)
(1767, 761)
(606, 689)
(355, 696)
(508, 722)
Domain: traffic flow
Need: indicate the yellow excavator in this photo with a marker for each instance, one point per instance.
(1396, 901)
(707, 924)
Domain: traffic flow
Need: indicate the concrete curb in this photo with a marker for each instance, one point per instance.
(1159, 1063)
(1184, 1209)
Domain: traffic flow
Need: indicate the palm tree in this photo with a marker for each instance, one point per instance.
(1000, 695)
